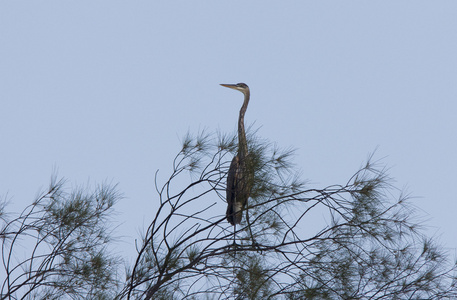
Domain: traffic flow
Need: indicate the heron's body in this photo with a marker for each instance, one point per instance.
(240, 175)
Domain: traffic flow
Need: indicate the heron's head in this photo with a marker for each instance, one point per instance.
(242, 87)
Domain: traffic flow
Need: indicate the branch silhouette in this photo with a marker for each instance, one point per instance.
(368, 248)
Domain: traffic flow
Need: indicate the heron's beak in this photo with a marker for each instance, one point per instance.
(231, 86)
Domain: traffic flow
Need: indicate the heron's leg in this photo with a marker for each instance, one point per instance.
(234, 234)
(234, 238)
(254, 243)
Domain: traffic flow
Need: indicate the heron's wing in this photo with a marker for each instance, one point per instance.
(232, 181)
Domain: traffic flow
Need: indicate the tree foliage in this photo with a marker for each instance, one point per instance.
(357, 240)
(369, 247)
(55, 248)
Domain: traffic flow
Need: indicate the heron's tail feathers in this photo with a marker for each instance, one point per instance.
(235, 213)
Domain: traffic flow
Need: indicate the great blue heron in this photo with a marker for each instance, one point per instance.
(240, 175)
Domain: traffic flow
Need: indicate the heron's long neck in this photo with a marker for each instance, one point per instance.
(242, 143)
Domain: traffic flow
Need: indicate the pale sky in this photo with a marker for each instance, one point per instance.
(105, 90)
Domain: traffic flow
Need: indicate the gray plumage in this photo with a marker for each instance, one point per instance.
(240, 175)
